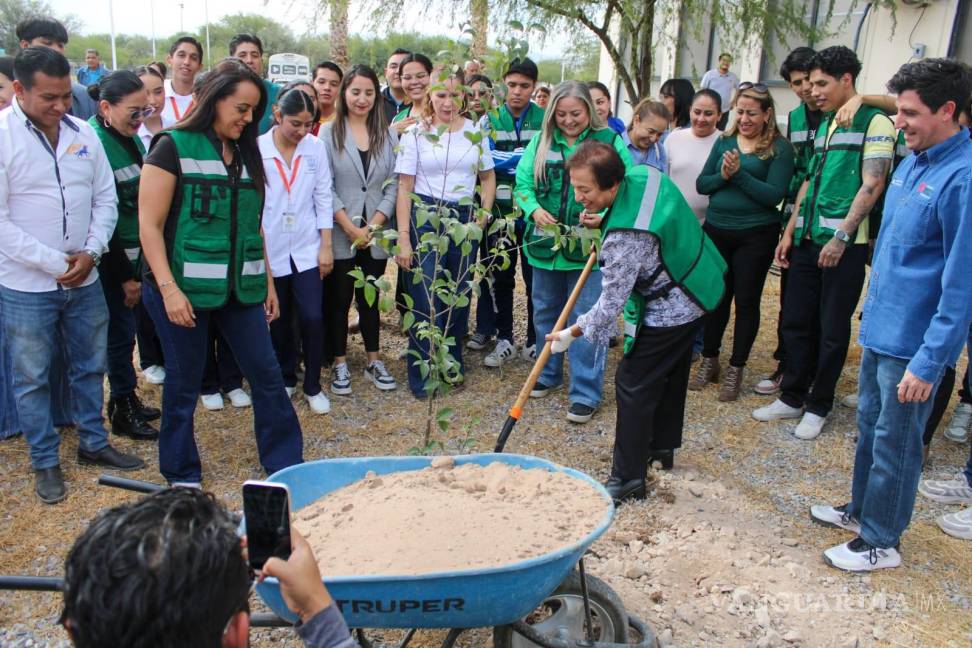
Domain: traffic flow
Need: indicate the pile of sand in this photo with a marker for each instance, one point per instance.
(448, 517)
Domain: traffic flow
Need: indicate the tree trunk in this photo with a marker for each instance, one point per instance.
(479, 17)
(339, 32)
(645, 54)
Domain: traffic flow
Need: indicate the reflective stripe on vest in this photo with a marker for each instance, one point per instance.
(132, 253)
(846, 139)
(799, 137)
(652, 184)
(510, 136)
(630, 329)
(194, 270)
(202, 167)
(554, 156)
(130, 172)
(254, 268)
(831, 223)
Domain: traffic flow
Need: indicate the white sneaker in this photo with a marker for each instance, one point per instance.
(957, 525)
(154, 375)
(341, 381)
(378, 374)
(947, 491)
(212, 402)
(178, 484)
(850, 401)
(810, 426)
(529, 353)
(835, 516)
(958, 427)
(239, 398)
(318, 403)
(291, 391)
(858, 556)
(502, 352)
(777, 410)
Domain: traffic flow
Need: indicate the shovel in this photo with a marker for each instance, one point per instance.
(517, 410)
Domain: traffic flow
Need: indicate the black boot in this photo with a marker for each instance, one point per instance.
(126, 421)
(147, 413)
(621, 489)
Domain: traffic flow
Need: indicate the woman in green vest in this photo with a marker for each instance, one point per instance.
(664, 274)
(201, 198)
(123, 104)
(544, 195)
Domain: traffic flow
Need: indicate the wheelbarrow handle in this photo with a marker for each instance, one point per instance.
(32, 583)
(517, 410)
(125, 483)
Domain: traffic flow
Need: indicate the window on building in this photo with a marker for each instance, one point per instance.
(845, 17)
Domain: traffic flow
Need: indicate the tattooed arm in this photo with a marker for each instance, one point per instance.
(875, 176)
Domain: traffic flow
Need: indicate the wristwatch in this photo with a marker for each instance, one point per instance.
(95, 257)
(842, 236)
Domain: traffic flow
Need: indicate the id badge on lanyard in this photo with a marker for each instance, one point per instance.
(289, 216)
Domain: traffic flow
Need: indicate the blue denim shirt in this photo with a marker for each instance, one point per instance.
(654, 157)
(919, 302)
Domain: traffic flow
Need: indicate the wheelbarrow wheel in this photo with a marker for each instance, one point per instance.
(561, 616)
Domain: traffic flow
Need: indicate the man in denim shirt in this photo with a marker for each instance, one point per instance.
(916, 314)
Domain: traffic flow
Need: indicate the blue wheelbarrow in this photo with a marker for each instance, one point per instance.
(544, 601)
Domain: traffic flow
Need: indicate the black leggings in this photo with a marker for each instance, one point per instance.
(748, 253)
(339, 289)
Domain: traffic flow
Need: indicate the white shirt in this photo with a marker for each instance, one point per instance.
(146, 136)
(446, 169)
(44, 219)
(292, 220)
(176, 105)
(686, 157)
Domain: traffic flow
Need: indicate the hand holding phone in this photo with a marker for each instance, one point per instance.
(300, 580)
(266, 508)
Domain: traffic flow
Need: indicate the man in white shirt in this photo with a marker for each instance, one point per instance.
(184, 59)
(57, 213)
(725, 83)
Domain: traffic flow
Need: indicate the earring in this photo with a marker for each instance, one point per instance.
(107, 122)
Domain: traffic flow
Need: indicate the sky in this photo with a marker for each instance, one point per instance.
(135, 16)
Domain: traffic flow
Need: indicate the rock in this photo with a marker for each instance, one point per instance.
(613, 567)
(443, 462)
(762, 616)
(850, 642)
(686, 614)
(742, 596)
(635, 570)
(763, 560)
(769, 640)
(665, 639)
(792, 637)
(695, 489)
(656, 596)
(879, 633)
(790, 542)
(635, 546)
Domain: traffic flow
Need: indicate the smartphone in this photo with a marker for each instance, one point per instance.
(266, 508)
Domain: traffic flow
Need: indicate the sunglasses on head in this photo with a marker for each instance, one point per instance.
(749, 85)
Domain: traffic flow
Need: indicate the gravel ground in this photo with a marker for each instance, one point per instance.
(722, 554)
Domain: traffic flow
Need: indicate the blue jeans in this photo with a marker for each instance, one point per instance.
(122, 327)
(302, 292)
(278, 436)
(454, 324)
(887, 465)
(551, 289)
(33, 323)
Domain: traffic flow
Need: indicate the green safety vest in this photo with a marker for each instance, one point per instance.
(503, 133)
(555, 190)
(648, 201)
(128, 171)
(834, 176)
(217, 249)
(802, 138)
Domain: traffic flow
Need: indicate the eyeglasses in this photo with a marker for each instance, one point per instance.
(749, 85)
(141, 114)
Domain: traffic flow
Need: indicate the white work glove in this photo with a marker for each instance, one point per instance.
(562, 340)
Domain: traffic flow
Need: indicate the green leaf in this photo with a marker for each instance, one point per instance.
(370, 293)
(408, 319)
